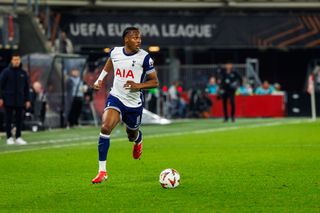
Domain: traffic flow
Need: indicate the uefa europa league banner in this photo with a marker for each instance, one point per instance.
(241, 31)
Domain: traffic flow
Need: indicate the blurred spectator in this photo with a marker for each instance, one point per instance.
(164, 101)
(63, 44)
(276, 89)
(151, 99)
(245, 88)
(43, 19)
(14, 95)
(177, 106)
(212, 87)
(173, 98)
(230, 80)
(38, 102)
(87, 108)
(200, 104)
(193, 111)
(264, 89)
(75, 94)
(205, 105)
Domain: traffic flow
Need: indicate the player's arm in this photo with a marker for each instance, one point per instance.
(239, 78)
(108, 67)
(3, 80)
(151, 82)
(151, 78)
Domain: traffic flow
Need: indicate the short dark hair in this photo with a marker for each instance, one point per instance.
(128, 30)
(15, 54)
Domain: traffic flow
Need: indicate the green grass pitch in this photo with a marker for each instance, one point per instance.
(254, 165)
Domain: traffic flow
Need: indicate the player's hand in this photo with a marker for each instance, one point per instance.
(1, 102)
(97, 85)
(131, 85)
(28, 104)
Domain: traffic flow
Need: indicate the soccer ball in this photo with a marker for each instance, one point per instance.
(169, 178)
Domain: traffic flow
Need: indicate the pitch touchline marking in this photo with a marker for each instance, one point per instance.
(221, 129)
(153, 136)
(51, 141)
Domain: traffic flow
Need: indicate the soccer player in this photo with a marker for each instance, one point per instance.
(133, 71)
(229, 82)
(14, 96)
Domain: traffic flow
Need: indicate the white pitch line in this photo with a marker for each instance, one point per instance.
(64, 140)
(57, 146)
(222, 129)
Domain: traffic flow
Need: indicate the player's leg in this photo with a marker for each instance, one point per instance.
(71, 114)
(8, 117)
(136, 137)
(78, 110)
(225, 106)
(19, 119)
(133, 120)
(233, 106)
(110, 119)
(132, 134)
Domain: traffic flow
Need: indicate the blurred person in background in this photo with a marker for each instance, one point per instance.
(151, 99)
(200, 104)
(173, 96)
(14, 96)
(75, 95)
(229, 82)
(177, 107)
(38, 102)
(264, 89)
(87, 108)
(205, 104)
(165, 101)
(245, 88)
(193, 109)
(212, 87)
(277, 89)
(63, 44)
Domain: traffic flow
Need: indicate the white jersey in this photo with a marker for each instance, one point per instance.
(131, 67)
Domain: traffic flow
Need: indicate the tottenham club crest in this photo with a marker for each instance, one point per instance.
(151, 62)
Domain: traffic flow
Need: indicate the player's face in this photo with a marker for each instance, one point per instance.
(15, 61)
(229, 67)
(133, 41)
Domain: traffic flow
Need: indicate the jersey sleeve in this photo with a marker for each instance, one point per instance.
(2, 81)
(111, 51)
(148, 64)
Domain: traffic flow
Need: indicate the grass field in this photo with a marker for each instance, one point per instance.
(257, 165)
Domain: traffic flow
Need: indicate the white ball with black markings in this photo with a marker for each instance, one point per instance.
(169, 178)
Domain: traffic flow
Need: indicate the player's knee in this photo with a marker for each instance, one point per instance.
(106, 129)
(131, 137)
(132, 134)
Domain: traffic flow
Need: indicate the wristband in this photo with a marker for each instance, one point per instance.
(102, 75)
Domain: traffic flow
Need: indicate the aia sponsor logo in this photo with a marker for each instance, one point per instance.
(124, 73)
